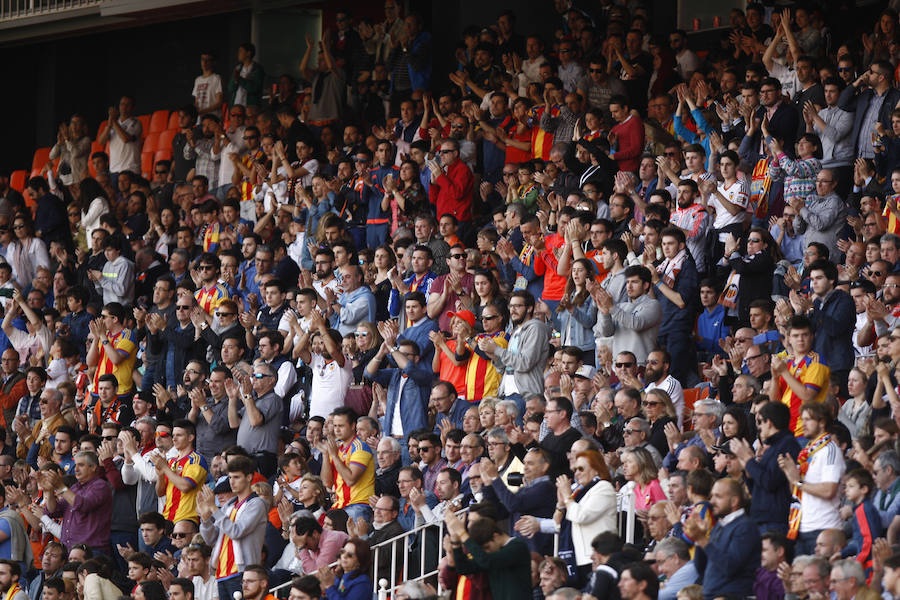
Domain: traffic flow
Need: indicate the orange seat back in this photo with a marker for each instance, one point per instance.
(165, 140)
(691, 395)
(147, 164)
(17, 180)
(159, 121)
(145, 124)
(41, 156)
(151, 143)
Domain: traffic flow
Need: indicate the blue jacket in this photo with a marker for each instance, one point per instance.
(418, 333)
(856, 101)
(687, 284)
(416, 393)
(515, 267)
(771, 493)
(834, 322)
(729, 561)
(866, 528)
(457, 412)
(710, 329)
(580, 325)
(358, 588)
(356, 306)
(537, 499)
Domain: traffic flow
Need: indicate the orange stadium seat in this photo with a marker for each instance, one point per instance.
(41, 156)
(173, 120)
(17, 180)
(147, 164)
(159, 121)
(102, 125)
(691, 395)
(162, 154)
(165, 140)
(145, 124)
(151, 143)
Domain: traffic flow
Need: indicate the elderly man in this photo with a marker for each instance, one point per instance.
(85, 508)
(657, 525)
(387, 456)
(821, 216)
(38, 441)
(673, 559)
(886, 472)
(355, 305)
(498, 449)
(848, 581)
(535, 497)
(637, 435)
(706, 419)
(386, 527)
(255, 411)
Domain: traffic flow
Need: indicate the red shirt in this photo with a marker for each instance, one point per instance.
(452, 192)
(630, 134)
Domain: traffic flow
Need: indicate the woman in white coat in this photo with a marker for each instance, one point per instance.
(589, 506)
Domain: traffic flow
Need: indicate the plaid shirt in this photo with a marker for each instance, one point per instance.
(207, 162)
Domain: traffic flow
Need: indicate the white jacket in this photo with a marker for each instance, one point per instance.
(595, 513)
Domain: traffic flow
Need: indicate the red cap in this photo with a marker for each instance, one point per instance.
(466, 315)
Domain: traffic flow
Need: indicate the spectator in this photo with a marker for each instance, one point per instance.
(350, 467)
(246, 83)
(235, 530)
(124, 134)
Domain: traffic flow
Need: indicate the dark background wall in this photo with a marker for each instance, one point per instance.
(49, 81)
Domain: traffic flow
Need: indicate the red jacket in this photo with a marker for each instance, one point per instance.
(452, 192)
(630, 134)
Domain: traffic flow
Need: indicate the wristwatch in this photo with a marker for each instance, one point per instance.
(62, 491)
(205, 408)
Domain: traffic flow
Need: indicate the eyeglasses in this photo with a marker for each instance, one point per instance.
(670, 154)
(260, 375)
(183, 307)
(844, 69)
(221, 314)
(193, 371)
(754, 356)
(17, 227)
(876, 273)
(629, 431)
(446, 151)
(425, 448)
(495, 444)
(178, 535)
(458, 256)
(163, 434)
(650, 403)
(105, 438)
(489, 317)
(360, 334)
(162, 172)
(754, 240)
(891, 285)
(625, 365)
(206, 267)
(249, 137)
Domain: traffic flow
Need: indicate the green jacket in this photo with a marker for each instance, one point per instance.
(253, 84)
(508, 569)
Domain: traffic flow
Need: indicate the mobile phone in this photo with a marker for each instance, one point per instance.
(6, 292)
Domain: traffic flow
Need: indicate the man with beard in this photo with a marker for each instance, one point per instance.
(882, 316)
(677, 289)
(526, 351)
(691, 217)
(657, 376)
(633, 324)
(729, 557)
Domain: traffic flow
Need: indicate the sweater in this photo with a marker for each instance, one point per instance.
(525, 356)
(508, 569)
(730, 559)
(633, 325)
(771, 493)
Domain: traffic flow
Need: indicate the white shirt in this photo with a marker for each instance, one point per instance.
(205, 590)
(330, 383)
(826, 465)
(396, 421)
(738, 194)
(125, 156)
(206, 89)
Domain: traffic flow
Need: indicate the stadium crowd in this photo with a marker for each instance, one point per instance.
(592, 267)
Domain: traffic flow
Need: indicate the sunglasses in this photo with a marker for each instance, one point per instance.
(260, 375)
(458, 256)
(221, 314)
(627, 365)
(178, 535)
(206, 267)
(183, 307)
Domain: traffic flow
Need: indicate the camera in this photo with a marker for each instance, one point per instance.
(515, 479)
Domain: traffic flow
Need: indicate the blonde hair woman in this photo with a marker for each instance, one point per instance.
(660, 411)
(638, 466)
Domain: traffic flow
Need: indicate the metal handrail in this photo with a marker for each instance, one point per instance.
(20, 9)
(625, 508)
